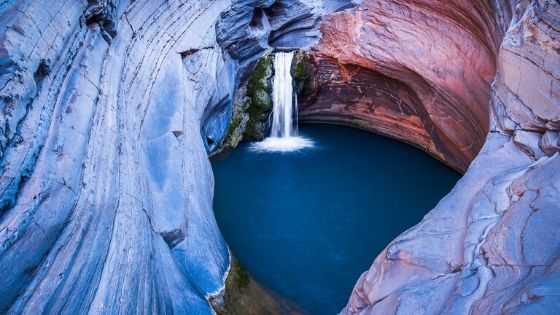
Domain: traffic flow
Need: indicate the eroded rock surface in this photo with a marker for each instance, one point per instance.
(105, 187)
(443, 55)
(108, 111)
(492, 245)
(251, 27)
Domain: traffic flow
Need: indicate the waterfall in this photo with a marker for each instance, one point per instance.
(284, 132)
(282, 96)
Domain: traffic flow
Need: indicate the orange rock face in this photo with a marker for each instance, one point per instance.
(419, 71)
(491, 246)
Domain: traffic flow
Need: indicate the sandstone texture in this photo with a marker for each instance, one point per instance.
(249, 32)
(491, 246)
(419, 71)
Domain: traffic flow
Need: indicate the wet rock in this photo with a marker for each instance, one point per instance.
(259, 97)
(252, 106)
(242, 295)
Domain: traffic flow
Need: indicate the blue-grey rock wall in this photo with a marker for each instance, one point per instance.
(108, 111)
(105, 187)
(251, 27)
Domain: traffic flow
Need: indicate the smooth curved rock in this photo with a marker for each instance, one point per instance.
(492, 245)
(106, 189)
(251, 27)
(443, 55)
(109, 108)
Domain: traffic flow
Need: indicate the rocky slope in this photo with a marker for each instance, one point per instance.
(492, 245)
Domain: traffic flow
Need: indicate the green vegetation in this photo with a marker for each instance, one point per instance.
(239, 275)
(237, 125)
(244, 296)
(302, 72)
(259, 87)
(259, 90)
(300, 69)
(253, 104)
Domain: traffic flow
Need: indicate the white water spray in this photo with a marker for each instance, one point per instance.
(282, 96)
(283, 134)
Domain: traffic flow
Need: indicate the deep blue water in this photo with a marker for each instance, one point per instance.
(307, 224)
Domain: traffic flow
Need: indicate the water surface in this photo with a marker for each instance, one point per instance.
(306, 224)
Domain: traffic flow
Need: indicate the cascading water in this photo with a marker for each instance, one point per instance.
(283, 134)
(282, 93)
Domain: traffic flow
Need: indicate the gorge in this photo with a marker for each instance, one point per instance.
(111, 108)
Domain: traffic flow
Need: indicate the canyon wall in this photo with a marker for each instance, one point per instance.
(419, 71)
(491, 246)
(249, 32)
(106, 188)
(109, 109)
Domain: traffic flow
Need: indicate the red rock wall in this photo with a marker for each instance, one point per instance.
(360, 97)
(492, 245)
(437, 58)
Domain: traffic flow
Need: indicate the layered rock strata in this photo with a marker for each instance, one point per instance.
(492, 245)
(105, 187)
(251, 27)
(108, 111)
(249, 32)
(419, 71)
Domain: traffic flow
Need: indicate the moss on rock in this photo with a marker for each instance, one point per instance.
(259, 91)
(251, 109)
(303, 72)
(244, 296)
(239, 277)
(253, 100)
(236, 128)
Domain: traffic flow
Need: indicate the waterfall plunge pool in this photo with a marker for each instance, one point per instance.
(306, 224)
